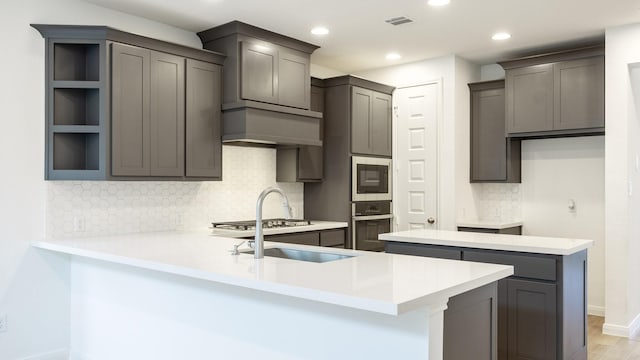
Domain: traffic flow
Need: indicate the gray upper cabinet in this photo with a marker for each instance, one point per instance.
(294, 79)
(130, 111)
(579, 94)
(274, 75)
(270, 67)
(370, 122)
(530, 99)
(119, 105)
(361, 101)
(259, 72)
(203, 124)
(167, 110)
(303, 163)
(556, 94)
(494, 157)
(266, 80)
(147, 112)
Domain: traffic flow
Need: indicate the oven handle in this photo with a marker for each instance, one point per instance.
(372, 217)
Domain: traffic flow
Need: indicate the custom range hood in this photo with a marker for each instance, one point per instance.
(267, 86)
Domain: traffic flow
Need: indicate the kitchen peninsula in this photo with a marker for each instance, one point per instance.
(171, 295)
(542, 308)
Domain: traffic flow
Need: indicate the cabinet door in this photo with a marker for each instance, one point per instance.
(304, 238)
(294, 80)
(259, 75)
(361, 100)
(130, 111)
(579, 94)
(470, 325)
(380, 125)
(488, 141)
(531, 314)
(530, 99)
(166, 125)
(203, 120)
(310, 163)
(310, 158)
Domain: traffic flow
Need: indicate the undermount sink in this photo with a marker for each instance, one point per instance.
(301, 255)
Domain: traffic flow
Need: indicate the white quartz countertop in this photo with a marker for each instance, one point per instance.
(488, 224)
(315, 226)
(520, 243)
(377, 282)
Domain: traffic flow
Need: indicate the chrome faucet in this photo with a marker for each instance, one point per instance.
(258, 246)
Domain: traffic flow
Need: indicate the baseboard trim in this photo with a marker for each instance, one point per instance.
(595, 310)
(61, 354)
(622, 331)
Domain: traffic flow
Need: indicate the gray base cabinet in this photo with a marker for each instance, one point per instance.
(327, 238)
(470, 325)
(515, 230)
(542, 308)
(556, 94)
(494, 157)
(126, 107)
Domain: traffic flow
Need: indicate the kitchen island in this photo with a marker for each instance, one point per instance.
(184, 295)
(542, 308)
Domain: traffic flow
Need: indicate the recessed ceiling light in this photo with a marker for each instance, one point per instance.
(319, 30)
(501, 36)
(393, 56)
(438, 2)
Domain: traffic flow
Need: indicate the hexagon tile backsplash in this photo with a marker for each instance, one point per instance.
(500, 202)
(94, 208)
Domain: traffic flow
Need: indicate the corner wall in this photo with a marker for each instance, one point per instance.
(622, 181)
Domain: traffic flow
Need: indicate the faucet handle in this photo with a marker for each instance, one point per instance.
(235, 248)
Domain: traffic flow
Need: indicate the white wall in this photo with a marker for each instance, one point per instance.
(466, 196)
(454, 117)
(555, 171)
(34, 285)
(622, 208)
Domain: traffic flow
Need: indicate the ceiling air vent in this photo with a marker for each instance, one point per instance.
(398, 20)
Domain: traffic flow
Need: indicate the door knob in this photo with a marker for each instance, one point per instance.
(431, 220)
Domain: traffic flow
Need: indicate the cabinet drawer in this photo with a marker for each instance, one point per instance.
(527, 266)
(441, 252)
(332, 238)
(303, 238)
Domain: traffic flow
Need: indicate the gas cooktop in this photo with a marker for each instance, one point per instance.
(266, 224)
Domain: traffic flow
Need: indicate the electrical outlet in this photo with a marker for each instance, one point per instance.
(3, 323)
(78, 224)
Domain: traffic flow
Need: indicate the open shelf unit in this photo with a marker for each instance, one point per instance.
(76, 98)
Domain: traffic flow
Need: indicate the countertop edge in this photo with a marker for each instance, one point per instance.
(393, 307)
(281, 289)
(488, 245)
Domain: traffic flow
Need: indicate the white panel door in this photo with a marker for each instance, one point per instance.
(415, 178)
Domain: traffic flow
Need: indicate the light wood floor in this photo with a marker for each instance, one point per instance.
(605, 347)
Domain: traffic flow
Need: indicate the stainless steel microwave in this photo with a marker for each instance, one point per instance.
(370, 178)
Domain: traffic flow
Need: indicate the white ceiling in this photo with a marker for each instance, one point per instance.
(360, 38)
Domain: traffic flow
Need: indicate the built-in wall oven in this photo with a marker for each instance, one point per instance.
(368, 220)
(370, 179)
